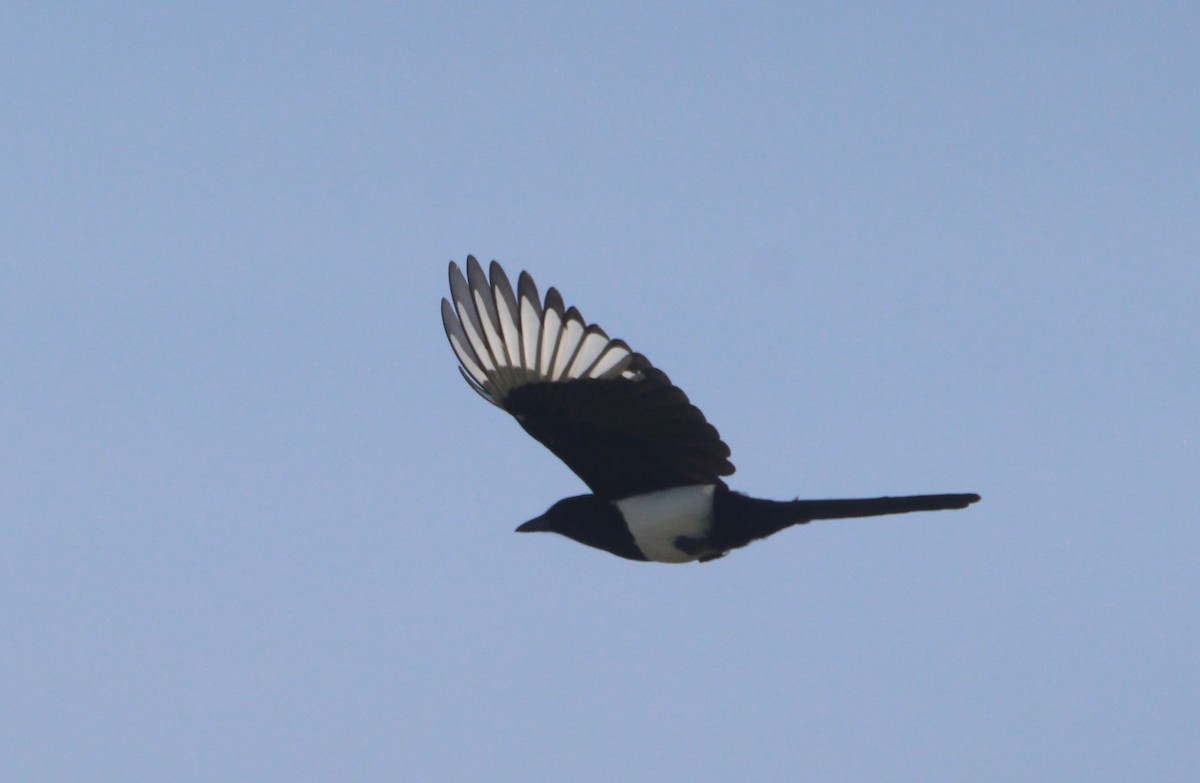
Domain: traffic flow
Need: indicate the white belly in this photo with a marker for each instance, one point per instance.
(658, 518)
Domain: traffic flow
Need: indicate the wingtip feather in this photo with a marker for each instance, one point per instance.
(505, 337)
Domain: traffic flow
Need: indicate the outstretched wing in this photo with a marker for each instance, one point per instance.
(616, 420)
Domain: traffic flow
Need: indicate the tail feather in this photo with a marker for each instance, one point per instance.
(742, 519)
(873, 507)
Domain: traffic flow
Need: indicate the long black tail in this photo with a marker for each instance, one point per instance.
(873, 507)
(741, 519)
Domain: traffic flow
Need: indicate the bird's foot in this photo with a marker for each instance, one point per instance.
(698, 547)
(692, 545)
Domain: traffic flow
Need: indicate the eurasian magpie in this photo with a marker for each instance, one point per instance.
(652, 461)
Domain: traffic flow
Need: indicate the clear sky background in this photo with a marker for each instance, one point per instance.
(254, 527)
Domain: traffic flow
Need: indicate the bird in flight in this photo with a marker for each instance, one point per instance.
(654, 465)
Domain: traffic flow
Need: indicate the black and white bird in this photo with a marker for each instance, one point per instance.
(653, 463)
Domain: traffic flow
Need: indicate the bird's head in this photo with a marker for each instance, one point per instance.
(589, 520)
(576, 517)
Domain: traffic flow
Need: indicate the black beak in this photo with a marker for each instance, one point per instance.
(537, 525)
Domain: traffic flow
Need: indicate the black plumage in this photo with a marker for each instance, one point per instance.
(654, 464)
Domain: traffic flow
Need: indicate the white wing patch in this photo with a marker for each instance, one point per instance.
(504, 339)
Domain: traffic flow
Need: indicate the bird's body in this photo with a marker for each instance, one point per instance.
(654, 464)
(661, 521)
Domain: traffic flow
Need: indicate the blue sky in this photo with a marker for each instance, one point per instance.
(253, 525)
